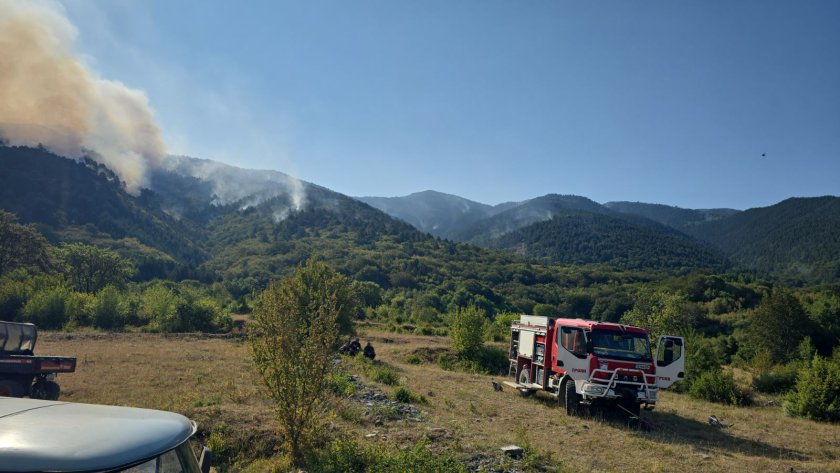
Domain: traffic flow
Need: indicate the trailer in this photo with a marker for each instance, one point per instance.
(21, 372)
(586, 362)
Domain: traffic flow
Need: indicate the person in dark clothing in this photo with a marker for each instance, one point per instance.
(355, 347)
(369, 351)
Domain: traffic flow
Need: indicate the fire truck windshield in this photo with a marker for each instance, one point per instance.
(626, 346)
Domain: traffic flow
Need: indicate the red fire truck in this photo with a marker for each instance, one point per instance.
(586, 362)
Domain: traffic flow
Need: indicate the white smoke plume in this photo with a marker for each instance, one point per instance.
(49, 96)
(245, 187)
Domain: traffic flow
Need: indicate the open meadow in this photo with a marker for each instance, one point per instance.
(211, 380)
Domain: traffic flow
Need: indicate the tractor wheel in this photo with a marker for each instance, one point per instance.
(51, 391)
(11, 388)
(572, 399)
(525, 374)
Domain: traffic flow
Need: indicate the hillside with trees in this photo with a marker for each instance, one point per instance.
(525, 213)
(574, 237)
(796, 238)
(85, 201)
(676, 217)
(436, 213)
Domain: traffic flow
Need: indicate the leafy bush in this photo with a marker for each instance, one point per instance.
(13, 296)
(341, 384)
(487, 360)
(777, 381)
(159, 306)
(385, 375)
(403, 394)
(817, 392)
(196, 314)
(106, 313)
(46, 308)
(717, 386)
(79, 309)
(414, 360)
(467, 330)
(702, 355)
(499, 330)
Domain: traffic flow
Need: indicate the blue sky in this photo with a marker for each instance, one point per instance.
(656, 101)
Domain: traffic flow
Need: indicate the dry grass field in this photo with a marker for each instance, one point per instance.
(211, 381)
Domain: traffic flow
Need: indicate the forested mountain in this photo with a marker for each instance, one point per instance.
(84, 201)
(573, 229)
(797, 238)
(525, 213)
(208, 220)
(200, 189)
(675, 217)
(244, 244)
(580, 237)
(439, 214)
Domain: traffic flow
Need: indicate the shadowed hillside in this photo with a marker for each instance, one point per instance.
(795, 238)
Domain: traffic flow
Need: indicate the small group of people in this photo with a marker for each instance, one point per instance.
(353, 346)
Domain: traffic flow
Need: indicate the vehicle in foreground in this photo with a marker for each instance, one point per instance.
(21, 372)
(586, 362)
(48, 436)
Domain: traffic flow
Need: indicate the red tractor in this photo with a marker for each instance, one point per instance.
(21, 372)
(585, 362)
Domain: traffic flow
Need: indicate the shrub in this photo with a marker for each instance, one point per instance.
(385, 375)
(493, 360)
(341, 384)
(717, 386)
(777, 381)
(106, 313)
(159, 306)
(13, 296)
(296, 327)
(196, 314)
(46, 308)
(79, 309)
(414, 360)
(487, 360)
(817, 392)
(499, 330)
(702, 355)
(404, 395)
(467, 330)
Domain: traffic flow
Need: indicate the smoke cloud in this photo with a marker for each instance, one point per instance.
(49, 96)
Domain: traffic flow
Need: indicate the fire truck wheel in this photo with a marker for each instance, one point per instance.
(11, 388)
(525, 375)
(51, 390)
(572, 399)
(634, 408)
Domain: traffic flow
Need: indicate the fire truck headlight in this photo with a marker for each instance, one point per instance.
(594, 389)
(603, 366)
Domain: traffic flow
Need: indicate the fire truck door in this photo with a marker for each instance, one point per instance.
(670, 360)
(572, 356)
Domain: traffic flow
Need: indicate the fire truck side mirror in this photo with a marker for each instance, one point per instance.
(589, 346)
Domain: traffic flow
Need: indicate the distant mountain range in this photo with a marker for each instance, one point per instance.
(204, 219)
(797, 238)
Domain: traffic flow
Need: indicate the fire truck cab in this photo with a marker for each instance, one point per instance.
(584, 362)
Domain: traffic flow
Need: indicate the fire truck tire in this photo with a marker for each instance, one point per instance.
(525, 375)
(11, 388)
(51, 390)
(634, 407)
(572, 400)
